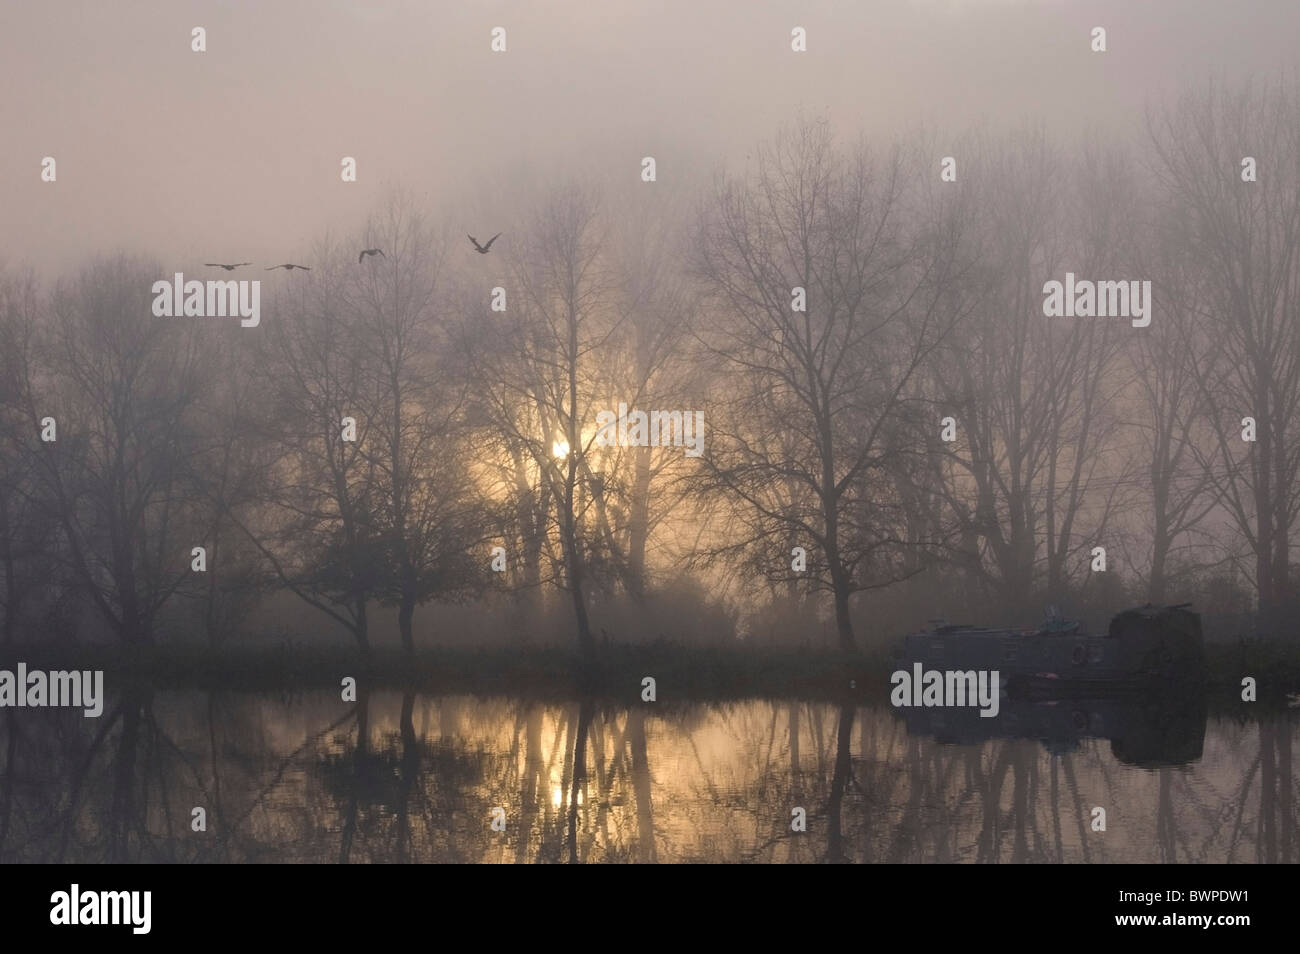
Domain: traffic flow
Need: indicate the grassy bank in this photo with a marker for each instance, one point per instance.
(616, 673)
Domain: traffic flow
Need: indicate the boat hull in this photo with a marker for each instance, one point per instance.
(1143, 647)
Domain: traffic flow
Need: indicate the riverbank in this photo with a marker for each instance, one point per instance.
(616, 673)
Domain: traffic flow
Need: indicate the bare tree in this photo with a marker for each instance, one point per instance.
(1169, 408)
(28, 530)
(1244, 240)
(811, 409)
(316, 522)
(539, 372)
(418, 447)
(229, 461)
(649, 367)
(122, 385)
(1031, 395)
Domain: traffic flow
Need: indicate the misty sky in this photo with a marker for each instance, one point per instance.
(186, 156)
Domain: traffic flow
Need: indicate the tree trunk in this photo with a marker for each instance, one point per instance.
(12, 598)
(361, 628)
(639, 524)
(843, 624)
(405, 613)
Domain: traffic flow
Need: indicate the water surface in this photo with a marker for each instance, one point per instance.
(405, 777)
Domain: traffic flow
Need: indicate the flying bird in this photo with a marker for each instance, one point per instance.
(288, 267)
(483, 249)
(229, 268)
(370, 251)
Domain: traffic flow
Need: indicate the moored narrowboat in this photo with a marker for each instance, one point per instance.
(1143, 647)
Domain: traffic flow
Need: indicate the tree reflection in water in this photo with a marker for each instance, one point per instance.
(406, 778)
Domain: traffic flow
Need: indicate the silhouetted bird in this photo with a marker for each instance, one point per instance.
(483, 249)
(229, 268)
(370, 251)
(288, 267)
